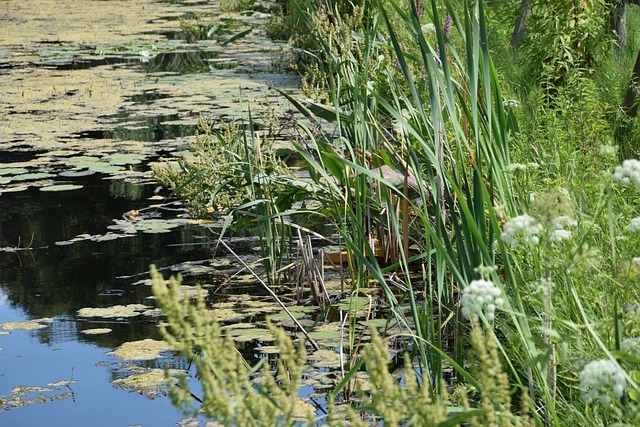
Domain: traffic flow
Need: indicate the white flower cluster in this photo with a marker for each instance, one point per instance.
(631, 346)
(525, 229)
(628, 173)
(428, 28)
(146, 55)
(559, 233)
(481, 296)
(600, 380)
(521, 229)
(634, 225)
(545, 286)
(515, 167)
(609, 150)
(511, 103)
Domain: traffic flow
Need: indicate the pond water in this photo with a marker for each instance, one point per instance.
(92, 93)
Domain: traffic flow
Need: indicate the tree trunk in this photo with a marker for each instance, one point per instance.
(521, 24)
(618, 21)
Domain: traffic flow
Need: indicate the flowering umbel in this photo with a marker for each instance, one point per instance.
(521, 229)
(628, 173)
(601, 380)
(480, 296)
(525, 229)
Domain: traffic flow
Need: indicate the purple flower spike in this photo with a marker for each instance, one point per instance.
(396, 63)
(447, 25)
(419, 7)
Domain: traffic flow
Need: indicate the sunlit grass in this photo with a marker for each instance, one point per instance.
(433, 186)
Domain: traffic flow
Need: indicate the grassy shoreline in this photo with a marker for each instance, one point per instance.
(510, 201)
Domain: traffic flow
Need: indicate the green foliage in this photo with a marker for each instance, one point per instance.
(566, 39)
(222, 169)
(229, 393)
(421, 162)
(235, 394)
(237, 5)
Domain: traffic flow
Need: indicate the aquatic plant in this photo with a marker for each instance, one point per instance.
(408, 142)
(234, 393)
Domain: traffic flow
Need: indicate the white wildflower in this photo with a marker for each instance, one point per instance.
(485, 270)
(634, 225)
(398, 129)
(563, 221)
(545, 286)
(628, 173)
(609, 150)
(631, 346)
(481, 296)
(511, 103)
(636, 261)
(146, 55)
(521, 229)
(600, 380)
(559, 235)
(513, 167)
(428, 28)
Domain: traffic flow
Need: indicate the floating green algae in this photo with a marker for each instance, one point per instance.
(141, 350)
(146, 381)
(116, 311)
(26, 326)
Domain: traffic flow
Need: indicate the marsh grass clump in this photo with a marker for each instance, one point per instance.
(222, 169)
(429, 165)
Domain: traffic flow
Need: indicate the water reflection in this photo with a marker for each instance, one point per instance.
(48, 280)
(186, 62)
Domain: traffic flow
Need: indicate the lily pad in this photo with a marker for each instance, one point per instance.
(153, 225)
(96, 331)
(125, 159)
(244, 335)
(29, 325)
(325, 358)
(141, 350)
(76, 174)
(356, 303)
(61, 187)
(13, 171)
(149, 382)
(116, 311)
(104, 167)
(32, 176)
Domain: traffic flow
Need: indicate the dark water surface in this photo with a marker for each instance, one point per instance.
(56, 281)
(75, 87)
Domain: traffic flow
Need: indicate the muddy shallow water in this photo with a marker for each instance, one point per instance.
(91, 93)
